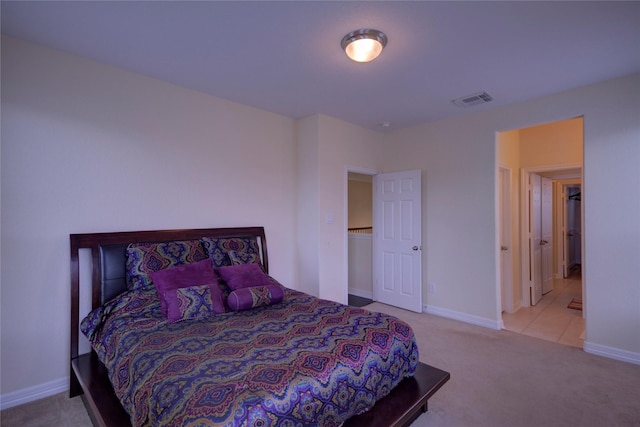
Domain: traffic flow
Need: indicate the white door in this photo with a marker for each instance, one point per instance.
(546, 231)
(397, 235)
(535, 248)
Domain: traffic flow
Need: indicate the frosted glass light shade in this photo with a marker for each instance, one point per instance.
(364, 45)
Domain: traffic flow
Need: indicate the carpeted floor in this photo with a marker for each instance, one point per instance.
(55, 411)
(498, 378)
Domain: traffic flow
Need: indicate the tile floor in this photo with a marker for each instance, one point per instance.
(550, 319)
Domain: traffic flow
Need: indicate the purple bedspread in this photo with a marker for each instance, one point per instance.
(304, 361)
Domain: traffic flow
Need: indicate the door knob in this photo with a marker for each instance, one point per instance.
(416, 248)
(504, 248)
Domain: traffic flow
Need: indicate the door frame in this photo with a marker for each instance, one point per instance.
(505, 216)
(362, 171)
(524, 219)
(560, 235)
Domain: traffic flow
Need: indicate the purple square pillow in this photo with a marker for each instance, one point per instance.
(194, 302)
(257, 296)
(167, 281)
(243, 276)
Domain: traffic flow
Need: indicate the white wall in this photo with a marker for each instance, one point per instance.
(612, 216)
(87, 148)
(360, 253)
(457, 159)
(331, 147)
(308, 213)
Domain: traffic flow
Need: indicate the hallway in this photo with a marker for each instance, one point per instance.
(550, 319)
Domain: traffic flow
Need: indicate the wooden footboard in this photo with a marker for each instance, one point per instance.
(400, 408)
(406, 402)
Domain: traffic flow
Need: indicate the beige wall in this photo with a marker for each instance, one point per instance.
(555, 143)
(88, 148)
(458, 162)
(360, 203)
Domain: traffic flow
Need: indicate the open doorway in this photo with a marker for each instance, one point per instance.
(360, 238)
(540, 301)
(571, 231)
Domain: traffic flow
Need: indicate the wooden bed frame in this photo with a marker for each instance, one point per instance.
(88, 376)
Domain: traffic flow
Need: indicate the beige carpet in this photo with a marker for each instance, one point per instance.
(498, 378)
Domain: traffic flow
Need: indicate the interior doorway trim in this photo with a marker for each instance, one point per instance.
(524, 220)
(505, 240)
(345, 243)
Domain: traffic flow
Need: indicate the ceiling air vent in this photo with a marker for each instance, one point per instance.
(471, 100)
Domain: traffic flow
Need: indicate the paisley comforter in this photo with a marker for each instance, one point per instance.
(304, 361)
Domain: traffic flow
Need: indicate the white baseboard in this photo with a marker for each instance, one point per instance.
(612, 352)
(361, 293)
(464, 317)
(34, 393)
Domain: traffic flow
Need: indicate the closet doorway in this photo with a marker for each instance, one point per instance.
(360, 238)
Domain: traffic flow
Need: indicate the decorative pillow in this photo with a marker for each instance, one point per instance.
(237, 258)
(168, 281)
(218, 248)
(243, 276)
(257, 296)
(144, 258)
(195, 302)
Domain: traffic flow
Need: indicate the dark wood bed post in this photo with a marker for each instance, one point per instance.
(74, 384)
(78, 241)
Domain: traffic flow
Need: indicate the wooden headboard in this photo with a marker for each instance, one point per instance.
(107, 281)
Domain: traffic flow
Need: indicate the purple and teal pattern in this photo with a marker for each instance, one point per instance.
(244, 248)
(305, 361)
(144, 258)
(237, 257)
(195, 302)
(257, 296)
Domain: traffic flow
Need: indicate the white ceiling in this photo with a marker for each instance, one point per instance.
(285, 56)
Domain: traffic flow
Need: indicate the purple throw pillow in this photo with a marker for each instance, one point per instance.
(257, 296)
(218, 248)
(169, 280)
(243, 276)
(144, 258)
(194, 302)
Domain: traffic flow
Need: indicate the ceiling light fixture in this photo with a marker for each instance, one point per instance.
(364, 45)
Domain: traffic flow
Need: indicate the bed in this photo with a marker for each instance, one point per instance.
(229, 345)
